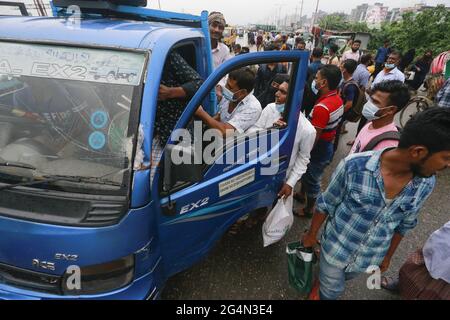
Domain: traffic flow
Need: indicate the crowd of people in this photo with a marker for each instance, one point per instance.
(376, 193)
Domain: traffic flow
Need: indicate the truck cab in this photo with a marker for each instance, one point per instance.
(85, 212)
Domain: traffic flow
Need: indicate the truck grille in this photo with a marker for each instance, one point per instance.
(30, 280)
(104, 213)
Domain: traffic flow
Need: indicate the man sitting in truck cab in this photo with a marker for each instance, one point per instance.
(238, 107)
(178, 85)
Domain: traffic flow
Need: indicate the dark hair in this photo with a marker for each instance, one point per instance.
(244, 77)
(357, 41)
(386, 41)
(398, 92)
(430, 128)
(271, 47)
(350, 65)
(299, 40)
(333, 75)
(334, 47)
(281, 77)
(366, 58)
(397, 53)
(317, 53)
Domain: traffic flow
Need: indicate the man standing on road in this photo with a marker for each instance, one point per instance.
(381, 57)
(390, 71)
(325, 117)
(316, 62)
(239, 108)
(374, 199)
(361, 74)
(354, 53)
(220, 51)
(387, 99)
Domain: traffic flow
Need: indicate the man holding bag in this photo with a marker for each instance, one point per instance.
(374, 199)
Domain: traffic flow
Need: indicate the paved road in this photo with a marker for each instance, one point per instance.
(240, 268)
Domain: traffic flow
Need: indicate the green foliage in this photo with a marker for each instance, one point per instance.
(429, 29)
(335, 21)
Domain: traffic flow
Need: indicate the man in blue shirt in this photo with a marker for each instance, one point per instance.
(361, 74)
(374, 199)
(381, 57)
(316, 62)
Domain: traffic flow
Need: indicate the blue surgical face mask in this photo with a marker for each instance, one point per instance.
(280, 107)
(390, 66)
(313, 87)
(228, 95)
(370, 110)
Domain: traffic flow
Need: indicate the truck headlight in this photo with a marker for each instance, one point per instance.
(99, 278)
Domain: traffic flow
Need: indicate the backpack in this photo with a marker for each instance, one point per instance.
(354, 114)
(388, 135)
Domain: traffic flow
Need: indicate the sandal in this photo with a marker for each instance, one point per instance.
(351, 143)
(390, 283)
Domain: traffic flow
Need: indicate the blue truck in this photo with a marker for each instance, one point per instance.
(74, 194)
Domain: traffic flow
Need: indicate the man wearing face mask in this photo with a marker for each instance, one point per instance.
(374, 199)
(239, 108)
(325, 117)
(387, 98)
(220, 51)
(390, 71)
(274, 111)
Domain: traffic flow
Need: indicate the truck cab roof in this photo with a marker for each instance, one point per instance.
(101, 32)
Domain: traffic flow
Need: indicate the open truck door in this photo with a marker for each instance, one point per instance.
(198, 202)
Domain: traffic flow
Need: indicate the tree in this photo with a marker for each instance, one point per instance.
(335, 21)
(426, 30)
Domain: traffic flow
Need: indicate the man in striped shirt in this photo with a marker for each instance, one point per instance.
(325, 117)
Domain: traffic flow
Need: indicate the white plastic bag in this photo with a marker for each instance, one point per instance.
(278, 222)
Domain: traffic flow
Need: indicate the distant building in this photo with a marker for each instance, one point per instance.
(376, 14)
(359, 13)
(34, 8)
(394, 15)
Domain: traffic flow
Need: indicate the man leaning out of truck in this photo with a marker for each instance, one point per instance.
(238, 107)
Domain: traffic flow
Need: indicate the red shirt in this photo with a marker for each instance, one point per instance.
(327, 114)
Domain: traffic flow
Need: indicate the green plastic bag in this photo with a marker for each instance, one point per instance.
(301, 263)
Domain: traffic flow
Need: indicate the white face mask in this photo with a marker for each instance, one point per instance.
(370, 110)
(279, 107)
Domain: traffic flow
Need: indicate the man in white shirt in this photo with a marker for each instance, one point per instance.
(390, 71)
(238, 108)
(273, 111)
(305, 137)
(354, 53)
(220, 51)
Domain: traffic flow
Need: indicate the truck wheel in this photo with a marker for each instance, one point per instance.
(131, 77)
(111, 77)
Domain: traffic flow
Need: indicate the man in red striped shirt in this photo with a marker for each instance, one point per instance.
(325, 117)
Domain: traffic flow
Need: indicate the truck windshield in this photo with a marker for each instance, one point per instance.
(66, 112)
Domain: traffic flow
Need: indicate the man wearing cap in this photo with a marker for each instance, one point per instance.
(220, 51)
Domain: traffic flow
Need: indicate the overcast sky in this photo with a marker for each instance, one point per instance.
(244, 12)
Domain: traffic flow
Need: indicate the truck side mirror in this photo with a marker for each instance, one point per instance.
(176, 173)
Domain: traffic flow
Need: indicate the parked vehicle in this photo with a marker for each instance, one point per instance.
(76, 193)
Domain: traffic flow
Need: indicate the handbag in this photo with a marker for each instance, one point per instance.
(301, 262)
(278, 222)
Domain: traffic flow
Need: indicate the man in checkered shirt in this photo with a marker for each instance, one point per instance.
(374, 199)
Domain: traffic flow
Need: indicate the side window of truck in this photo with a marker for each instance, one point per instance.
(263, 103)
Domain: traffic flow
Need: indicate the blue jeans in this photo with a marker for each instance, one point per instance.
(321, 157)
(332, 279)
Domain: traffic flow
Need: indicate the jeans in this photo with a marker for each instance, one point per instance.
(321, 157)
(332, 279)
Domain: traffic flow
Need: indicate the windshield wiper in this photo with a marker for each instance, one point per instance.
(16, 165)
(55, 178)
